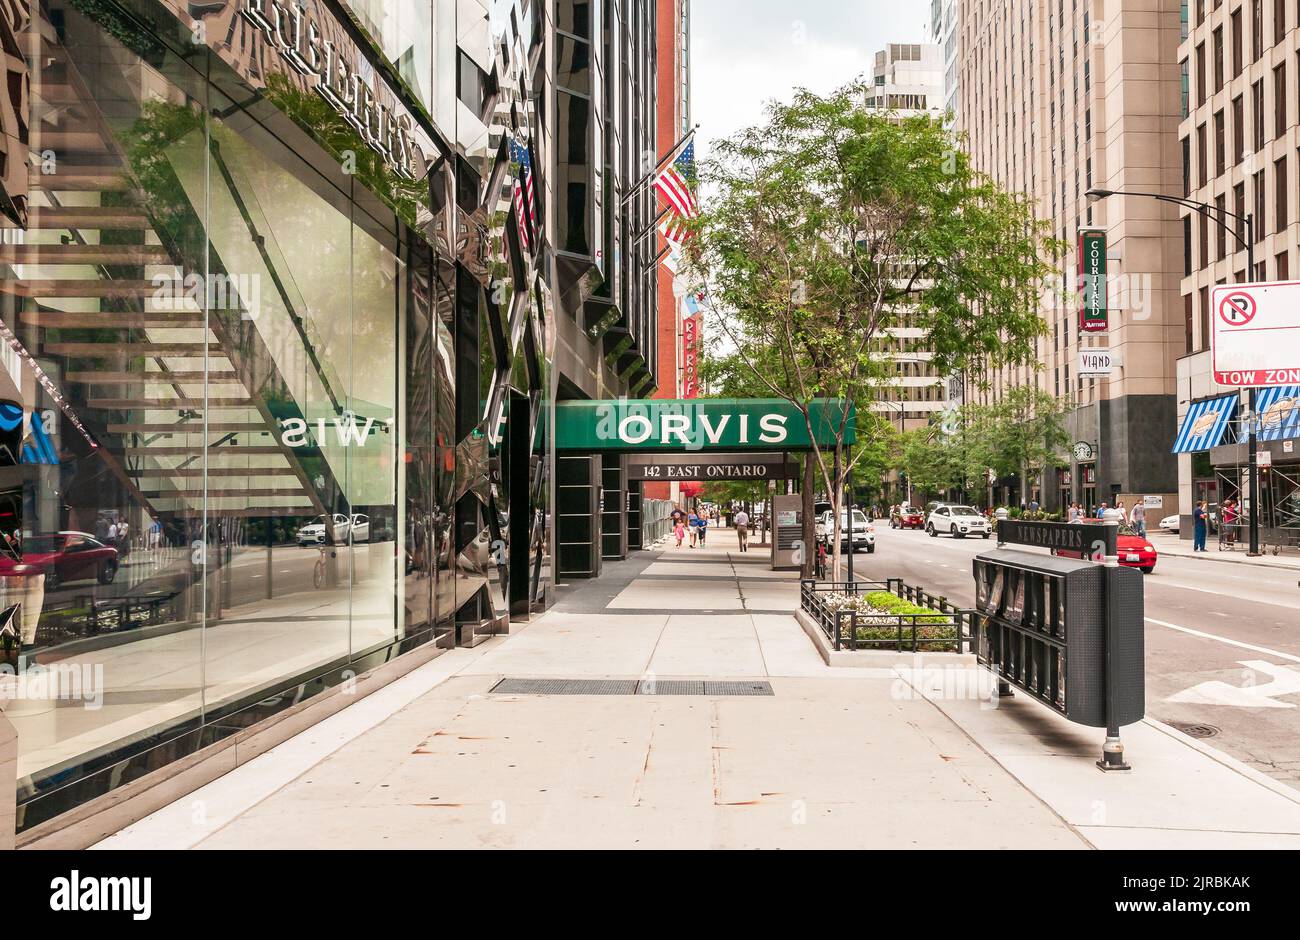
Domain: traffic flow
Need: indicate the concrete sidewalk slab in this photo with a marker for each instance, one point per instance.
(717, 645)
(657, 771)
(682, 595)
(1179, 793)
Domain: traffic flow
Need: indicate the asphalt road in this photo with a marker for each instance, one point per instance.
(1233, 626)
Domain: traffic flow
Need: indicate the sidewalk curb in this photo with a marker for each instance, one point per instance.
(1227, 760)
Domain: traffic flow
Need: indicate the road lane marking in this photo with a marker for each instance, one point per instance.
(1285, 681)
(1223, 639)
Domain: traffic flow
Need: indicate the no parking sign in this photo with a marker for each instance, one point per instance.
(1255, 337)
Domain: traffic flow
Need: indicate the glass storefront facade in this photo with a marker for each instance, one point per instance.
(288, 291)
(236, 319)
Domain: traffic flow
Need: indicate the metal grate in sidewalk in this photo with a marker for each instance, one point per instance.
(709, 687)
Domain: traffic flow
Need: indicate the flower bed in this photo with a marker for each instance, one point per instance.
(884, 619)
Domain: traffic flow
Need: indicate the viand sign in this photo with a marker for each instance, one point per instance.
(1097, 363)
(702, 424)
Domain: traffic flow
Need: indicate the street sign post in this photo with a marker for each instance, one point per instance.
(1255, 341)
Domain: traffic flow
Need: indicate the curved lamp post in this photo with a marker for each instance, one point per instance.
(1220, 217)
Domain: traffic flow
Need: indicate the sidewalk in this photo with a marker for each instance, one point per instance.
(1169, 543)
(832, 757)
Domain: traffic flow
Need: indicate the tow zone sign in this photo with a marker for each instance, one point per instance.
(1255, 334)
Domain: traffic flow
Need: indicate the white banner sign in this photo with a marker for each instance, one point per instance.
(1098, 362)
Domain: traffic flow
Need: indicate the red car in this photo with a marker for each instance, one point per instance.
(1135, 551)
(906, 517)
(66, 556)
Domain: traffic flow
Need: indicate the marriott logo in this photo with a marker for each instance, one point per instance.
(103, 893)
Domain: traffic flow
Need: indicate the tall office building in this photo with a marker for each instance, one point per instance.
(1238, 138)
(1056, 100)
(943, 31)
(288, 292)
(907, 80)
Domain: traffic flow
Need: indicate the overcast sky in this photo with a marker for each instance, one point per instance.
(745, 52)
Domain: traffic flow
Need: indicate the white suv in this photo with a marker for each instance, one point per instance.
(864, 532)
(957, 521)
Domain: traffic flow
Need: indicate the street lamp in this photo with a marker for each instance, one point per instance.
(1220, 217)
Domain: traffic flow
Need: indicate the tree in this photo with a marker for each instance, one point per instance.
(932, 460)
(834, 223)
(1023, 432)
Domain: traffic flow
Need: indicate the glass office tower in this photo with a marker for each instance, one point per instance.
(277, 334)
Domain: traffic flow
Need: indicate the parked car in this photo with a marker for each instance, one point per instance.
(906, 517)
(864, 531)
(315, 533)
(1171, 523)
(68, 556)
(957, 521)
(1135, 551)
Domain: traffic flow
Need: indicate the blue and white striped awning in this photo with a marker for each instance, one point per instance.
(1279, 412)
(1204, 424)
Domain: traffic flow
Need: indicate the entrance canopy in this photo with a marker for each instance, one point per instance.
(1204, 424)
(1279, 412)
(697, 424)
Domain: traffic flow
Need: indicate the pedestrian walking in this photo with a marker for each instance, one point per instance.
(703, 529)
(1200, 523)
(1138, 518)
(1101, 511)
(741, 521)
(692, 527)
(679, 530)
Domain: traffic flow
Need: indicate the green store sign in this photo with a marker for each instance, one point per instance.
(1092, 282)
(697, 424)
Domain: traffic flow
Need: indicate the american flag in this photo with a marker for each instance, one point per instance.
(673, 185)
(524, 196)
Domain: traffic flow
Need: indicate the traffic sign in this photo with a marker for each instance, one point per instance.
(1256, 334)
(1237, 308)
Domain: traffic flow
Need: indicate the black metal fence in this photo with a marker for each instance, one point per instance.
(943, 627)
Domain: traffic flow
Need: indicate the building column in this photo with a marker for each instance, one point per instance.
(613, 510)
(634, 519)
(578, 514)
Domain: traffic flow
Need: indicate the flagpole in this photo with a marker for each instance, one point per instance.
(673, 151)
(651, 227)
